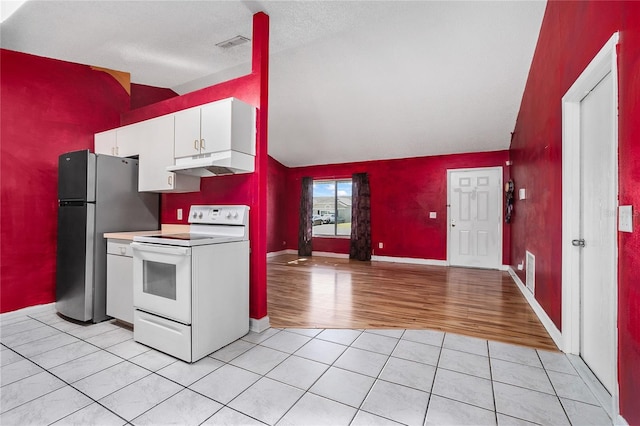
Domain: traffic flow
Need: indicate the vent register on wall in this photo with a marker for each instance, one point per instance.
(176, 149)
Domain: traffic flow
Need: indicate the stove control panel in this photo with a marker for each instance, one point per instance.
(223, 215)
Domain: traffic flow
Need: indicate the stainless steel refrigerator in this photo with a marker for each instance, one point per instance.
(97, 194)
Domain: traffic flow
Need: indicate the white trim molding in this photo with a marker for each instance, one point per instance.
(259, 325)
(411, 260)
(603, 63)
(29, 310)
(374, 258)
(538, 310)
(329, 254)
(281, 252)
(500, 172)
(620, 421)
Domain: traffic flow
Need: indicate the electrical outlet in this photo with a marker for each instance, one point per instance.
(433, 215)
(625, 218)
(380, 245)
(179, 214)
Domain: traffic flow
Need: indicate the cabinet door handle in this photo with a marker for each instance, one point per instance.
(195, 145)
(117, 151)
(201, 143)
(170, 180)
(113, 150)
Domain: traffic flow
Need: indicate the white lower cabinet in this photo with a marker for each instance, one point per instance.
(120, 280)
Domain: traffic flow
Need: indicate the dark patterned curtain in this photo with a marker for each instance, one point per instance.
(360, 218)
(306, 207)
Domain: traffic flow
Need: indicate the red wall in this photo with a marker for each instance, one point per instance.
(249, 189)
(49, 107)
(143, 95)
(277, 193)
(403, 192)
(571, 35)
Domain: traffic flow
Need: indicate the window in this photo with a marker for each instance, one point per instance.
(331, 208)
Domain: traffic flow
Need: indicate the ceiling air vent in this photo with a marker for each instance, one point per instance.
(232, 42)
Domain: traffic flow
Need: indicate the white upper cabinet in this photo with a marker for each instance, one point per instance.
(129, 140)
(120, 142)
(156, 153)
(105, 142)
(187, 133)
(224, 125)
(219, 135)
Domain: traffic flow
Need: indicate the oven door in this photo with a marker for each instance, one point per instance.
(162, 280)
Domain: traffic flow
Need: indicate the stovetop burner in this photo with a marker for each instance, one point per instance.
(209, 225)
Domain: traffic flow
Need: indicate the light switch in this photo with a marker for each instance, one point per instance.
(179, 214)
(522, 194)
(432, 215)
(625, 218)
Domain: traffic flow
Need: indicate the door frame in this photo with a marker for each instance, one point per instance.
(603, 63)
(500, 171)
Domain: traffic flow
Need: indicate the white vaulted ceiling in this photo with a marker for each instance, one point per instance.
(349, 80)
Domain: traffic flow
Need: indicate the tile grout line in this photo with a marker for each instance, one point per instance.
(493, 390)
(289, 355)
(316, 381)
(83, 393)
(546, 373)
(376, 378)
(68, 385)
(433, 382)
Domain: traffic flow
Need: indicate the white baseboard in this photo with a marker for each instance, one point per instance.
(329, 254)
(620, 421)
(259, 325)
(411, 260)
(392, 259)
(30, 310)
(542, 315)
(281, 252)
(594, 385)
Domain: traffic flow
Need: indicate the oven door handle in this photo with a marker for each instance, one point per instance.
(162, 249)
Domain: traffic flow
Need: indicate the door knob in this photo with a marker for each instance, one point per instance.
(578, 243)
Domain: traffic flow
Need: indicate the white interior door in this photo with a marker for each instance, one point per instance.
(598, 206)
(475, 217)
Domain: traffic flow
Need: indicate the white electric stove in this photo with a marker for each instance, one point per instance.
(191, 290)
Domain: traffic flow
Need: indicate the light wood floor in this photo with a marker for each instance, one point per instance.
(323, 292)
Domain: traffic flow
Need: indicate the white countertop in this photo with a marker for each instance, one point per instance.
(166, 229)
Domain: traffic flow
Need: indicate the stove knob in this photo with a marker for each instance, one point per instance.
(200, 215)
(228, 215)
(195, 215)
(235, 215)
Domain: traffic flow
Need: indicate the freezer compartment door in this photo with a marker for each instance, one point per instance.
(77, 176)
(74, 272)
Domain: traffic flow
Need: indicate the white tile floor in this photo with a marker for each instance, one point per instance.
(58, 372)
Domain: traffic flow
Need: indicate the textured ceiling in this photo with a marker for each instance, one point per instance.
(349, 80)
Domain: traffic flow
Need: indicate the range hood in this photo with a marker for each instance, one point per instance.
(215, 164)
